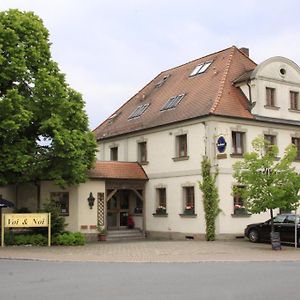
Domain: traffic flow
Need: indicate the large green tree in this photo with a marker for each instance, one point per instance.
(266, 182)
(44, 131)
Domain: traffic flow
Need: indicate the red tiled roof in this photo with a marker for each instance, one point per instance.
(209, 93)
(117, 170)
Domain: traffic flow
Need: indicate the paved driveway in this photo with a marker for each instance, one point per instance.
(156, 251)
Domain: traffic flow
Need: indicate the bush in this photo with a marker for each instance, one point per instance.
(57, 221)
(69, 239)
(28, 239)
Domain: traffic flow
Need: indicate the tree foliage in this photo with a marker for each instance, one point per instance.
(210, 198)
(44, 131)
(266, 182)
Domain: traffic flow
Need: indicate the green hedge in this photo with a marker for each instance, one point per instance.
(65, 239)
(69, 239)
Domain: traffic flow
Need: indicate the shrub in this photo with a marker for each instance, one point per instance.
(68, 239)
(29, 239)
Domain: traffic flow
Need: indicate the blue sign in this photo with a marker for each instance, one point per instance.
(221, 144)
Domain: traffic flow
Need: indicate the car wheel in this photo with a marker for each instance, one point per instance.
(253, 236)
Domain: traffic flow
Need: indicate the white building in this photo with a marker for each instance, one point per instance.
(178, 118)
(223, 98)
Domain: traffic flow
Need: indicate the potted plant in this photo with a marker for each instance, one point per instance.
(102, 233)
(189, 210)
(161, 210)
(130, 222)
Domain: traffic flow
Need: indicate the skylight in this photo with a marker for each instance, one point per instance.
(172, 102)
(162, 81)
(201, 68)
(138, 111)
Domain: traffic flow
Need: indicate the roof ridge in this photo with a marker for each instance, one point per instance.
(223, 80)
(214, 53)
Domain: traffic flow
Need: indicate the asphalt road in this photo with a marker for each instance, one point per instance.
(32, 280)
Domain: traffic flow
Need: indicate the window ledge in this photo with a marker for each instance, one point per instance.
(137, 215)
(294, 110)
(143, 163)
(159, 215)
(246, 215)
(236, 155)
(188, 215)
(180, 158)
(272, 107)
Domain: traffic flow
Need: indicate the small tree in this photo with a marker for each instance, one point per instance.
(268, 183)
(210, 198)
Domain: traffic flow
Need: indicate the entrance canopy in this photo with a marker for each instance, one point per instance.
(118, 170)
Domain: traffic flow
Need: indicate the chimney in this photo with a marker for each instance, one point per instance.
(245, 51)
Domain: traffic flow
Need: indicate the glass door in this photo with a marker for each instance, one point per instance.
(117, 211)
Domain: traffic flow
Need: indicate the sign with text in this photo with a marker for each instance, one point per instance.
(26, 220)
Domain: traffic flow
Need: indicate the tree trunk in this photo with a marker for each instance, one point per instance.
(272, 221)
(38, 195)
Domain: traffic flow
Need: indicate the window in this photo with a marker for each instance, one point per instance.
(138, 111)
(172, 102)
(296, 142)
(114, 153)
(270, 96)
(181, 145)
(294, 100)
(238, 204)
(142, 152)
(271, 140)
(161, 195)
(162, 81)
(62, 200)
(238, 142)
(188, 200)
(201, 68)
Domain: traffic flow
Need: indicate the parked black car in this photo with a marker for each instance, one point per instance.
(283, 223)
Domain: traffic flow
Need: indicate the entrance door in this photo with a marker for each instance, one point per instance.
(117, 211)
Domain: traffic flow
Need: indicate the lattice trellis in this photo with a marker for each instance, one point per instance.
(100, 209)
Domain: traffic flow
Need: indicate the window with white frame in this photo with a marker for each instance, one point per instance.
(238, 203)
(201, 68)
(270, 140)
(161, 196)
(181, 146)
(238, 142)
(142, 152)
(294, 100)
(114, 153)
(62, 201)
(270, 96)
(296, 142)
(188, 200)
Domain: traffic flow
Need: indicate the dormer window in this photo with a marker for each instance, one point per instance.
(172, 102)
(162, 81)
(270, 96)
(201, 68)
(139, 111)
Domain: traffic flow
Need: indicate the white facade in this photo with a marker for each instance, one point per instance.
(166, 172)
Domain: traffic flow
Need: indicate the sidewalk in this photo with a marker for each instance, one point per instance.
(155, 251)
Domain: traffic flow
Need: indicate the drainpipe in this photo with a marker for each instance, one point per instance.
(250, 95)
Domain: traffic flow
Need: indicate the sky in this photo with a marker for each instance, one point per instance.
(110, 49)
